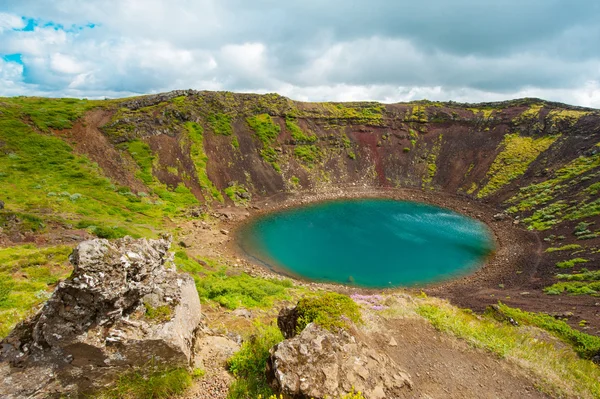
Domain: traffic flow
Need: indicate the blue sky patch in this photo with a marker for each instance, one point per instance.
(13, 58)
(29, 26)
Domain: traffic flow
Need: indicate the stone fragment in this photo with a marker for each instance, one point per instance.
(318, 363)
(500, 216)
(242, 312)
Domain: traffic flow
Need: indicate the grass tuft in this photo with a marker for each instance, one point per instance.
(329, 310)
(570, 263)
(157, 384)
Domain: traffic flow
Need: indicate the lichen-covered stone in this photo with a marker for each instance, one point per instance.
(98, 323)
(318, 363)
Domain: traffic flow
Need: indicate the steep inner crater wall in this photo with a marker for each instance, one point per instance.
(531, 164)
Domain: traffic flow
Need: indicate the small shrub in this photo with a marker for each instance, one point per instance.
(109, 232)
(198, 373)
(248, 365)
(329, 310)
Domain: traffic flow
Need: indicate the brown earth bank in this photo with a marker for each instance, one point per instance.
(445, 367)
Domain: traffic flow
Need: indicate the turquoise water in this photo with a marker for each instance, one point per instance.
(370, 243)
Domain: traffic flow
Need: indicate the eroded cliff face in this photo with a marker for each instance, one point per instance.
(225, 144)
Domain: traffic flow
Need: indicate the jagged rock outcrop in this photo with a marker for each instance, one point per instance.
(153, 99)
(124, 306)
(318, 363)
(287, 321)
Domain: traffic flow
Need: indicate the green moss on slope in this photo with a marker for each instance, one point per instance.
(297, 133)
(267, 132)
(173, 200)
(220, 124)
(308, 154)
(513, 160)
(238, 194)
(341, 114)
(194, 137)
(432, 163)
(538, 194)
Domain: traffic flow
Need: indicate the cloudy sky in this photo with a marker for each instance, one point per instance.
(386, 50)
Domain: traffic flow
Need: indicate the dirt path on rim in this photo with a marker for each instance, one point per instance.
(442, 366)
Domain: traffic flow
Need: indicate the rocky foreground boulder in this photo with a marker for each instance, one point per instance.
(124, 306)
(318, 363)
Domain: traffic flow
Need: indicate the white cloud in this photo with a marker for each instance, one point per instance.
(247, 57)
(10, 21)
(65, 64)
(300, 49)
(11, 78)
